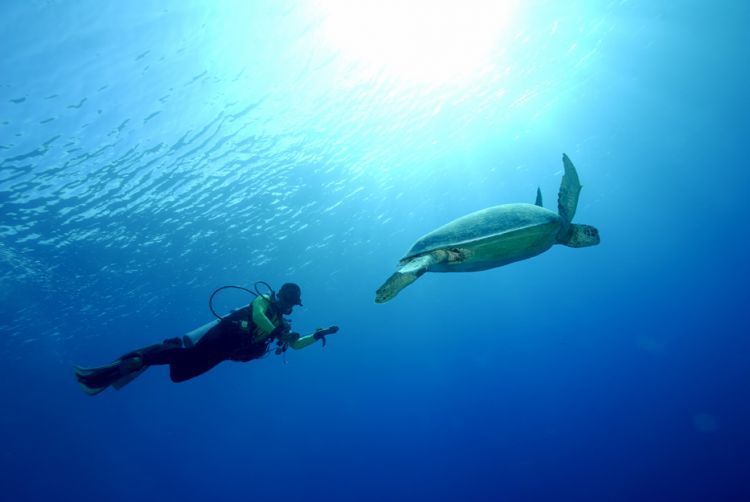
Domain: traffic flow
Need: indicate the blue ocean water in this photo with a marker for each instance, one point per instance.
(151, 152)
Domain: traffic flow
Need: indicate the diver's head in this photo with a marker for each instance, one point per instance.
(288, 296)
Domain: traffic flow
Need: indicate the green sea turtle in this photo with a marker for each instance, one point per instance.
(494, 237)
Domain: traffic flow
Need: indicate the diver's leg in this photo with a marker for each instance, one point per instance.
(214, 347)
(189, 367)
(160, 353)
(95, 380)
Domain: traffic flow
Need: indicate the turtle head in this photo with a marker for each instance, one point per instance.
(580, 236)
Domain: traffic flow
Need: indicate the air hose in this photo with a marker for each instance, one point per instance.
(255, 293)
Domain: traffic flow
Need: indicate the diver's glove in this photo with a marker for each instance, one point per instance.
(321, 333)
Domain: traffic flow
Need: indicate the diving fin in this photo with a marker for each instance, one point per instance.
(117, 374)
(95, 380)
(86, 386)
(128, 377)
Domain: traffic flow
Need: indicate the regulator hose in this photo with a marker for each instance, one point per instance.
(211, 298)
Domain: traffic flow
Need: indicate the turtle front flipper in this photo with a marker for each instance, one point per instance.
(570, 234)
(570, 189)
(405, 275)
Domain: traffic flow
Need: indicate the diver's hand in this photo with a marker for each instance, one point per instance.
(281, 330)
(321, 333)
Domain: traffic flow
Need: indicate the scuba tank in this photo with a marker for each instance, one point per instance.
(191, 338)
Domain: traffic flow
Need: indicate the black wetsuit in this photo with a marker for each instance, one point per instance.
(225, 341)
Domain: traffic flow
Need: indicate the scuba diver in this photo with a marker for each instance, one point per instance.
(243, 335)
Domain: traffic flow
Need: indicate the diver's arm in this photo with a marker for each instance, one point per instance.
(320, 334)
(302, 342)
(263, 323)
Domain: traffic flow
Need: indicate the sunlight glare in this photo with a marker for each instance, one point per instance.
(420, 41)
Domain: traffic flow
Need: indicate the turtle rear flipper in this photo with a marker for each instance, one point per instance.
(570, 189)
